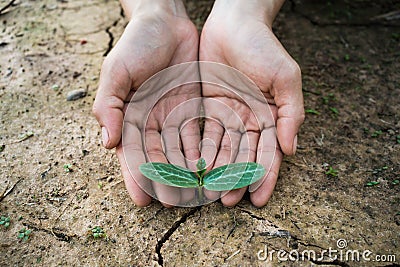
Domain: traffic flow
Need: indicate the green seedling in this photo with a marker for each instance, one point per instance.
(227, 177)
(329, 98)
(67, 167)
(5, 221)
(24, 234)
(100, 185)
(2, 148)
(98, 232)
(395, 182)
(312, 111)
(398, 139)
(376, 133)
(378, 170)
(332, 172)
(373, 183)
(334, 110)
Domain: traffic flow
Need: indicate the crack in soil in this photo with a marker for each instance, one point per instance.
(287, 235)
(110, 34)
(56, 232)
(252, 215)
(170, 232)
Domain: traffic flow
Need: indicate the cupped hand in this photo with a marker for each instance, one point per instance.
(244, 40)
(150, 43)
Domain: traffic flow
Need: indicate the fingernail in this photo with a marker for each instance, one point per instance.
(295, 144)
(104, 134)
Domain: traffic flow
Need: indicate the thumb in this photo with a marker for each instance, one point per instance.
(114, 87)
(289, 100)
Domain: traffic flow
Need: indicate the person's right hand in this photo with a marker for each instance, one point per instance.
(160, 35)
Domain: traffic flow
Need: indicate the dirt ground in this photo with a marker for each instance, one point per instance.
(350, 59)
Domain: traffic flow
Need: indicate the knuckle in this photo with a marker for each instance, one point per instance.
(96, 110)
(302, 117)
(293, 71)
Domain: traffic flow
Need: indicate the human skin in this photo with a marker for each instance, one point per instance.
(237, 33)
(158, 36)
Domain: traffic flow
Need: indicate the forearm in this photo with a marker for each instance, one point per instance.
(138, 7)
(264, 9)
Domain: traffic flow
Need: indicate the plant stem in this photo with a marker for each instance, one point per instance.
(200, 195)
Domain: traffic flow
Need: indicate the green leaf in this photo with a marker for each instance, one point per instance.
(312, 111)
(201, 164)
(377, 133)
(373, 183)
(233, 176)
(332, 172)
(169, 174)
(334, 110)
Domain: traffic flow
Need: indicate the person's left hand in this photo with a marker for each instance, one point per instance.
(238, 35)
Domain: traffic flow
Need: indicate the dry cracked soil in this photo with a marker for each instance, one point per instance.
(349, 53)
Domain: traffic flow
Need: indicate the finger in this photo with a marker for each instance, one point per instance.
(289, 100)
(171, 142)
(175, 156)
(181, 132)
(130, 156)
(167, 195)
(247, 153)
(190, 136)
(114, 87)
(187, 194)
(263, 193)
(229, 148)
(212, 136)
(226, 154)
(266, 152)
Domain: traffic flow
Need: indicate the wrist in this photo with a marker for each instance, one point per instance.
(265, 10)
(134, 8)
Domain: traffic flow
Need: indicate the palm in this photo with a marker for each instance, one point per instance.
(253, 50)
(147, 47)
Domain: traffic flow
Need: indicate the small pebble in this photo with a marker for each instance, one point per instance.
(76, 94)
(9, 72)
